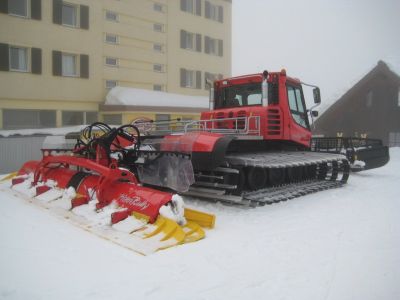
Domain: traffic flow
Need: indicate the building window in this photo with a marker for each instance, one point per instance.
(111, 38)
(90, 117)
(187, 6)
(162, 122)
(191, 6)
(71, 118)
(157, 87)
(158, 7)
(69, 15)
(213, 46)
(190, 79)
(65, 13)
(18, 7)
(18, 59)
(113, 119)
(370, 96)
(190, 41)
(111, 61)
(111, 16)
(158, 68)
(158, 47)
(158, 27)
(69, 65)
(214, 12)
(22, 8)
(111, 84)
(24, 118)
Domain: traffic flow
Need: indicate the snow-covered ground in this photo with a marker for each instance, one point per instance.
(336, 244)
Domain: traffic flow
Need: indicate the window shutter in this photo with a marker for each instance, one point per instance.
(57, 11)
(4, 57)
(198, 79)
(36, 9)
(36, 62)
(183, 77)
(208, 8)
(183, 5)
(183, 39)
(84, 16)
(198, 42)
(198, 7)
(84, 66)
(220, 48)
(57, 66)
(4, 6)
(220, 14)
(207, 44)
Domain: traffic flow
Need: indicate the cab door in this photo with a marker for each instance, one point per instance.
(299, 125)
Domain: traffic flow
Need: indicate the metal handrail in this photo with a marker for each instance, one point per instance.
(242, 126)
(209, 125)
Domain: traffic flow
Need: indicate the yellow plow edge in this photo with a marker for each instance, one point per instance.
(169, 233)
(9, 176)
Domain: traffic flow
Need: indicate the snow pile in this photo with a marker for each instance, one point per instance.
(174, 210)
(336, 244)
(138, 97)
(358, 164)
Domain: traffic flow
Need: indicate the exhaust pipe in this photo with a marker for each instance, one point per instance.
(264, 89)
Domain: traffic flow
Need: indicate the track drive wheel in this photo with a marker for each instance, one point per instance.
(256, 178)
(276, 176)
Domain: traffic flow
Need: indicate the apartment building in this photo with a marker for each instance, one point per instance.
(59, 59)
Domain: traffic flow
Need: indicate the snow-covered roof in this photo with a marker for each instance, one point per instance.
(137, 97)
(41, 131)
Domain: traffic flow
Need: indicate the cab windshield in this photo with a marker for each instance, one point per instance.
(239, 95)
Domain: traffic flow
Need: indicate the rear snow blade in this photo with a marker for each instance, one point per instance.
(372, 157)
(370, 152)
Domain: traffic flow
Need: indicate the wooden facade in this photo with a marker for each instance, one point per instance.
(370, 109)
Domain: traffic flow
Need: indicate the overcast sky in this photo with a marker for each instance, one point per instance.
(330, 43)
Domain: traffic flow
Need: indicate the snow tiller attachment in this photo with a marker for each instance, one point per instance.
(95, 186)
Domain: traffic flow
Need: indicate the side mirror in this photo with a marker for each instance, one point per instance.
(314, 113)
(317, 95)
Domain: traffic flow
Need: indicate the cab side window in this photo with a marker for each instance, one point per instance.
(296, 105)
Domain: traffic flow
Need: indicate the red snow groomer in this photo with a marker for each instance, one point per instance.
(254, 146)
(95, 185)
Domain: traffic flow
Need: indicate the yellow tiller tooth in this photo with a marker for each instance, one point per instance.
(9, 176)
(168, 233)
(141, 217)
(193, 232)
(168, 229)
(201, 218)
